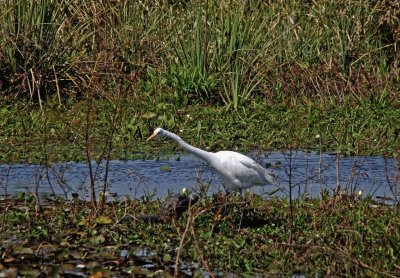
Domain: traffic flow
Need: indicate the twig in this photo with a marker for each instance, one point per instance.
(88, 155)
(196, 245)
(181, 243)
(57, 86)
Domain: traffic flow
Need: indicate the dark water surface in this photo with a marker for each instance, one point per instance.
(306, 172)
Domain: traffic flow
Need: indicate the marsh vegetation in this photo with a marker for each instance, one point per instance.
(89, 81)
(260, 75)
(345, 235)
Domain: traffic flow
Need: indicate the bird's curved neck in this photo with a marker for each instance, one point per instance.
(189, 148)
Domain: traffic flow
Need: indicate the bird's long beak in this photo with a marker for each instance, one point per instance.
(151, 137)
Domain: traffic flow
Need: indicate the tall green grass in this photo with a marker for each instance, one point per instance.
(218, 52)
(224, 49)
(336, 48)
(40, 50)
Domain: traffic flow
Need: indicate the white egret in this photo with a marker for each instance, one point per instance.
(236, 171)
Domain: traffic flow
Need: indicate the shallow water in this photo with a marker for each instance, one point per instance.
(306, 172)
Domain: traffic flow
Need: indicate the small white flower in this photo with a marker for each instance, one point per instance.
(184, 190)
(360, 193)
(317, 136)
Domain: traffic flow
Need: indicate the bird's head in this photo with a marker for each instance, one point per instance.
(158, 132)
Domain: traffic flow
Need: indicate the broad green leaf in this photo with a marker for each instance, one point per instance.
(103, 220)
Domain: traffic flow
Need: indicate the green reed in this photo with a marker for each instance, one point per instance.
(219, 52)
(40, 49)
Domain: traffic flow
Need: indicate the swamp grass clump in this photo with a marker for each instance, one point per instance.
(339, 235)
(209, 52)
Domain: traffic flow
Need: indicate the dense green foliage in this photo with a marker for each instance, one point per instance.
(264, 75)
(219, 52)
(290, 70)
(90, 80)
(65, 133)
(344, 235)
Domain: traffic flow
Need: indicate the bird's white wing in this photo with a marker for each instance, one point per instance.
(251, 164)
(242, 171)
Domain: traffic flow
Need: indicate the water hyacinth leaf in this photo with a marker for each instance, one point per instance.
(98, 239)
(102, 219)
(165, 168)
(93, 265)
(167, 258)
(133, 124)
(23, 250)
(149, 115)
(67, 266)
(166, 120)
(239, 242)
(134, 270)
(206, 235)
(62, 255)
(29, 273)
(77, 255)
(83, 222)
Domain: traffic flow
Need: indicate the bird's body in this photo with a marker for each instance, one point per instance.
(236, 171)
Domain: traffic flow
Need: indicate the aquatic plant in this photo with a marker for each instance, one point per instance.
(346, 235)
